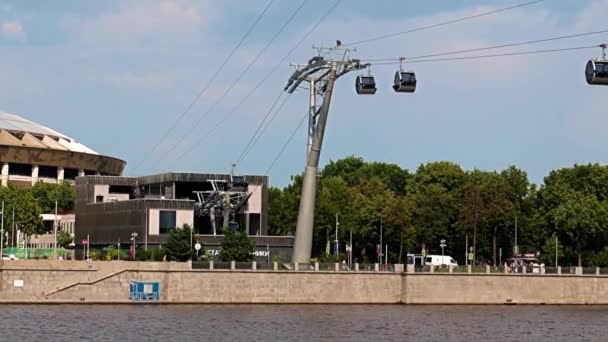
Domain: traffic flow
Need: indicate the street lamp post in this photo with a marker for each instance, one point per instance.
(2, 231)
(442, 245)
(133, 236)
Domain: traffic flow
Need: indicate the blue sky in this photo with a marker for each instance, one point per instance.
(116, 74)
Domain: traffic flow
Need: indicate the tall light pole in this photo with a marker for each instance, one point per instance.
(13, 243)
(466, 250)
(515, 247)
(321, 72)
(2, 233)
(556, 245)
(380, 251)
(337, 241)
(442, 245)
(133, 236)
(350, 249)
(55, 233)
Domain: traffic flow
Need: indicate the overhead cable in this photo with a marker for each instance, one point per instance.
(272, 71)
(207, 85)
(492, 55)
(276, 158)
(364, 41)
(194, 127)
(261, 129)
(487, 48)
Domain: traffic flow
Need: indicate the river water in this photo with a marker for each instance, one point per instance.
(302, 323)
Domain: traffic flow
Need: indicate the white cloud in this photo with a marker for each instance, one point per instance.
(136, 23)
(13, 30)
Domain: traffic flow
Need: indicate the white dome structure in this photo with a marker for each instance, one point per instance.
(30, 152)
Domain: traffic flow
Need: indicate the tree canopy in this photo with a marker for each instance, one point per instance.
(236, 246)
(179, 246)
(22, 202)
(440, 200)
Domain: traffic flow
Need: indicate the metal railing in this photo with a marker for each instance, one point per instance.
(550, 270)
(589, 270)
(392, 268)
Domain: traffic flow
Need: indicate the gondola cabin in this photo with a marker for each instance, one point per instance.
(365, 85)
(596, 72)
(405, 82)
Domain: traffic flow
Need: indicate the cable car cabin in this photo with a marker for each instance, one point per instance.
(596, 72)
(365, 85)
(405, 82)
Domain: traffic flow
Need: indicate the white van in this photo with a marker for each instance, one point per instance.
(438, 260)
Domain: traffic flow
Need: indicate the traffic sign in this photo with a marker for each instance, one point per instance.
(197, 246)
(470, 256)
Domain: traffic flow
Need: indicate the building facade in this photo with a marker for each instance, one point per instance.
(31, 153)
(111, 209)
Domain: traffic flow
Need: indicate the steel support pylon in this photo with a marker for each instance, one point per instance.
(321, 73)
(306, 216)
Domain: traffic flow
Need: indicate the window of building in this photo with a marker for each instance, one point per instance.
(15, 169)
(47, 171)
(98, 199)
(167, 221)
(70, 173)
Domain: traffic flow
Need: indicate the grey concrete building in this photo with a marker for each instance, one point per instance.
(110, 209)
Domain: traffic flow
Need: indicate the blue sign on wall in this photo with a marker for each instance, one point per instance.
(144, 290)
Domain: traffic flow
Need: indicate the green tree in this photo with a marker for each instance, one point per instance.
(400, 231)
(435, 192)
(346, 168)
(27, 211)
(178, 246)
(46, 194)
(42, 193)
(576, 197)
(580, 217)
(549, 249)
(65, 195)
(334, 197)
(236, 246)
(392, 175)
(64, 239)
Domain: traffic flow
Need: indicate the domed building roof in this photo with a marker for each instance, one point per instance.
(17, 131)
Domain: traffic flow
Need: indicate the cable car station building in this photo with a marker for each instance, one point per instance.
(112, 209)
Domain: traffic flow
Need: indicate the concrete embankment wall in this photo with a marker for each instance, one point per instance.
(108, 282)
(504, 289)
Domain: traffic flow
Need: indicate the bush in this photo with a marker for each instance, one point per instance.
(95, 255)
(236, 246)
(324, 259)
(599, 259)
(64, 239)
(178, 246)
(112, 254)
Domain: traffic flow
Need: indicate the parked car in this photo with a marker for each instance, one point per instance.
(440, 260)
(9, 257)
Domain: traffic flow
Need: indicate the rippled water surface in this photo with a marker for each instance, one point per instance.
(302, 323)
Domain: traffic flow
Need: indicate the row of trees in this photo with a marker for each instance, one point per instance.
(440, 200)
(29, 203)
